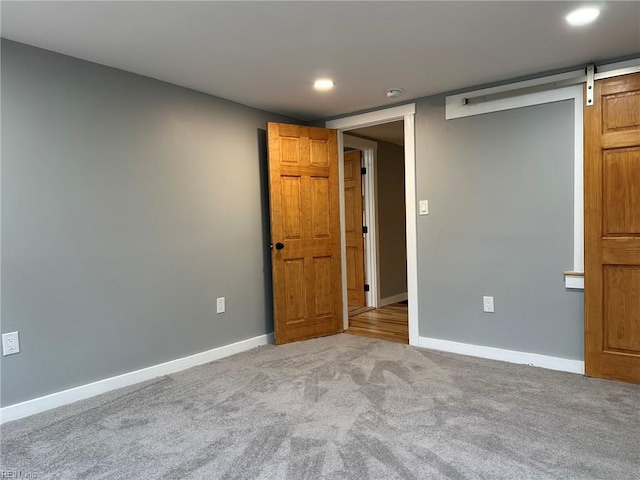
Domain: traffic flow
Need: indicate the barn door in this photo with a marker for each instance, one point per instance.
(612, 230)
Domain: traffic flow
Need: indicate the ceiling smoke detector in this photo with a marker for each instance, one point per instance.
(394, 92)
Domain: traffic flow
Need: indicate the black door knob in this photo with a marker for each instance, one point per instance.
(279, 246)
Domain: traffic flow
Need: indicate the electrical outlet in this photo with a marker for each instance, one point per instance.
(220, 305)
(488, 304)
(10, 343)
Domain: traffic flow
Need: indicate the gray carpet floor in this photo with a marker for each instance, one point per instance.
(340, 407)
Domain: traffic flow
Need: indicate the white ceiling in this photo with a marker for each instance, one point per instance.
(267, 54)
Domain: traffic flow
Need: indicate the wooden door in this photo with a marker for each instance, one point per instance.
(612, 230)
(305, 232)
(353, 229)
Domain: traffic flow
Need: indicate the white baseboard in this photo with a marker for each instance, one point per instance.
(512, 356)
(401, 297)
(47, 402)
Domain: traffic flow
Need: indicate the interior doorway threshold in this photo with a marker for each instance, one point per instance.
(359, 310)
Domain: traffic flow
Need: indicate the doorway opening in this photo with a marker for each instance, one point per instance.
(375, 231)
(405, 114)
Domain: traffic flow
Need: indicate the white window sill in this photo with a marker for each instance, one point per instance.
(574, 280)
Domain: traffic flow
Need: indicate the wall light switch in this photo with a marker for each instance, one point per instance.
(10, 343)
(220, 305)
(424, 207)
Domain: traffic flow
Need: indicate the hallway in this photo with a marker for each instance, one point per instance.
(386, 323)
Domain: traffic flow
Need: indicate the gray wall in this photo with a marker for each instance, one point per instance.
(500, 223)
(392, 236)
(128, 206)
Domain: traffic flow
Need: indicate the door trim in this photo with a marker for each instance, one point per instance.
(407, 114)
(369, 150)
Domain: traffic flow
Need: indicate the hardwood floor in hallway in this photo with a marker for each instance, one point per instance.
(386, 323)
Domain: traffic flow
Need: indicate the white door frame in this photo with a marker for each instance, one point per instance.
(407, 114)
(369, 150)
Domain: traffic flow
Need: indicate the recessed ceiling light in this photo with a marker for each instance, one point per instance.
(323, 84)
(582, 16)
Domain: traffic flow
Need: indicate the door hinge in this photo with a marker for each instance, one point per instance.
(365, 229)
(366, 287)
(363, 170)
(591, 70)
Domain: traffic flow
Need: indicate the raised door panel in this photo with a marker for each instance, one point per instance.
(621, 191)
(319, 155)
(352, 265)
(320, 207)
(294, 286)
(620, 251)
(323, 269)
(622, 309)
(620, 117)
(621, 112)
(290, 150)
(350, 211)
(291, 207)
(289, 144)
(349, 169)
